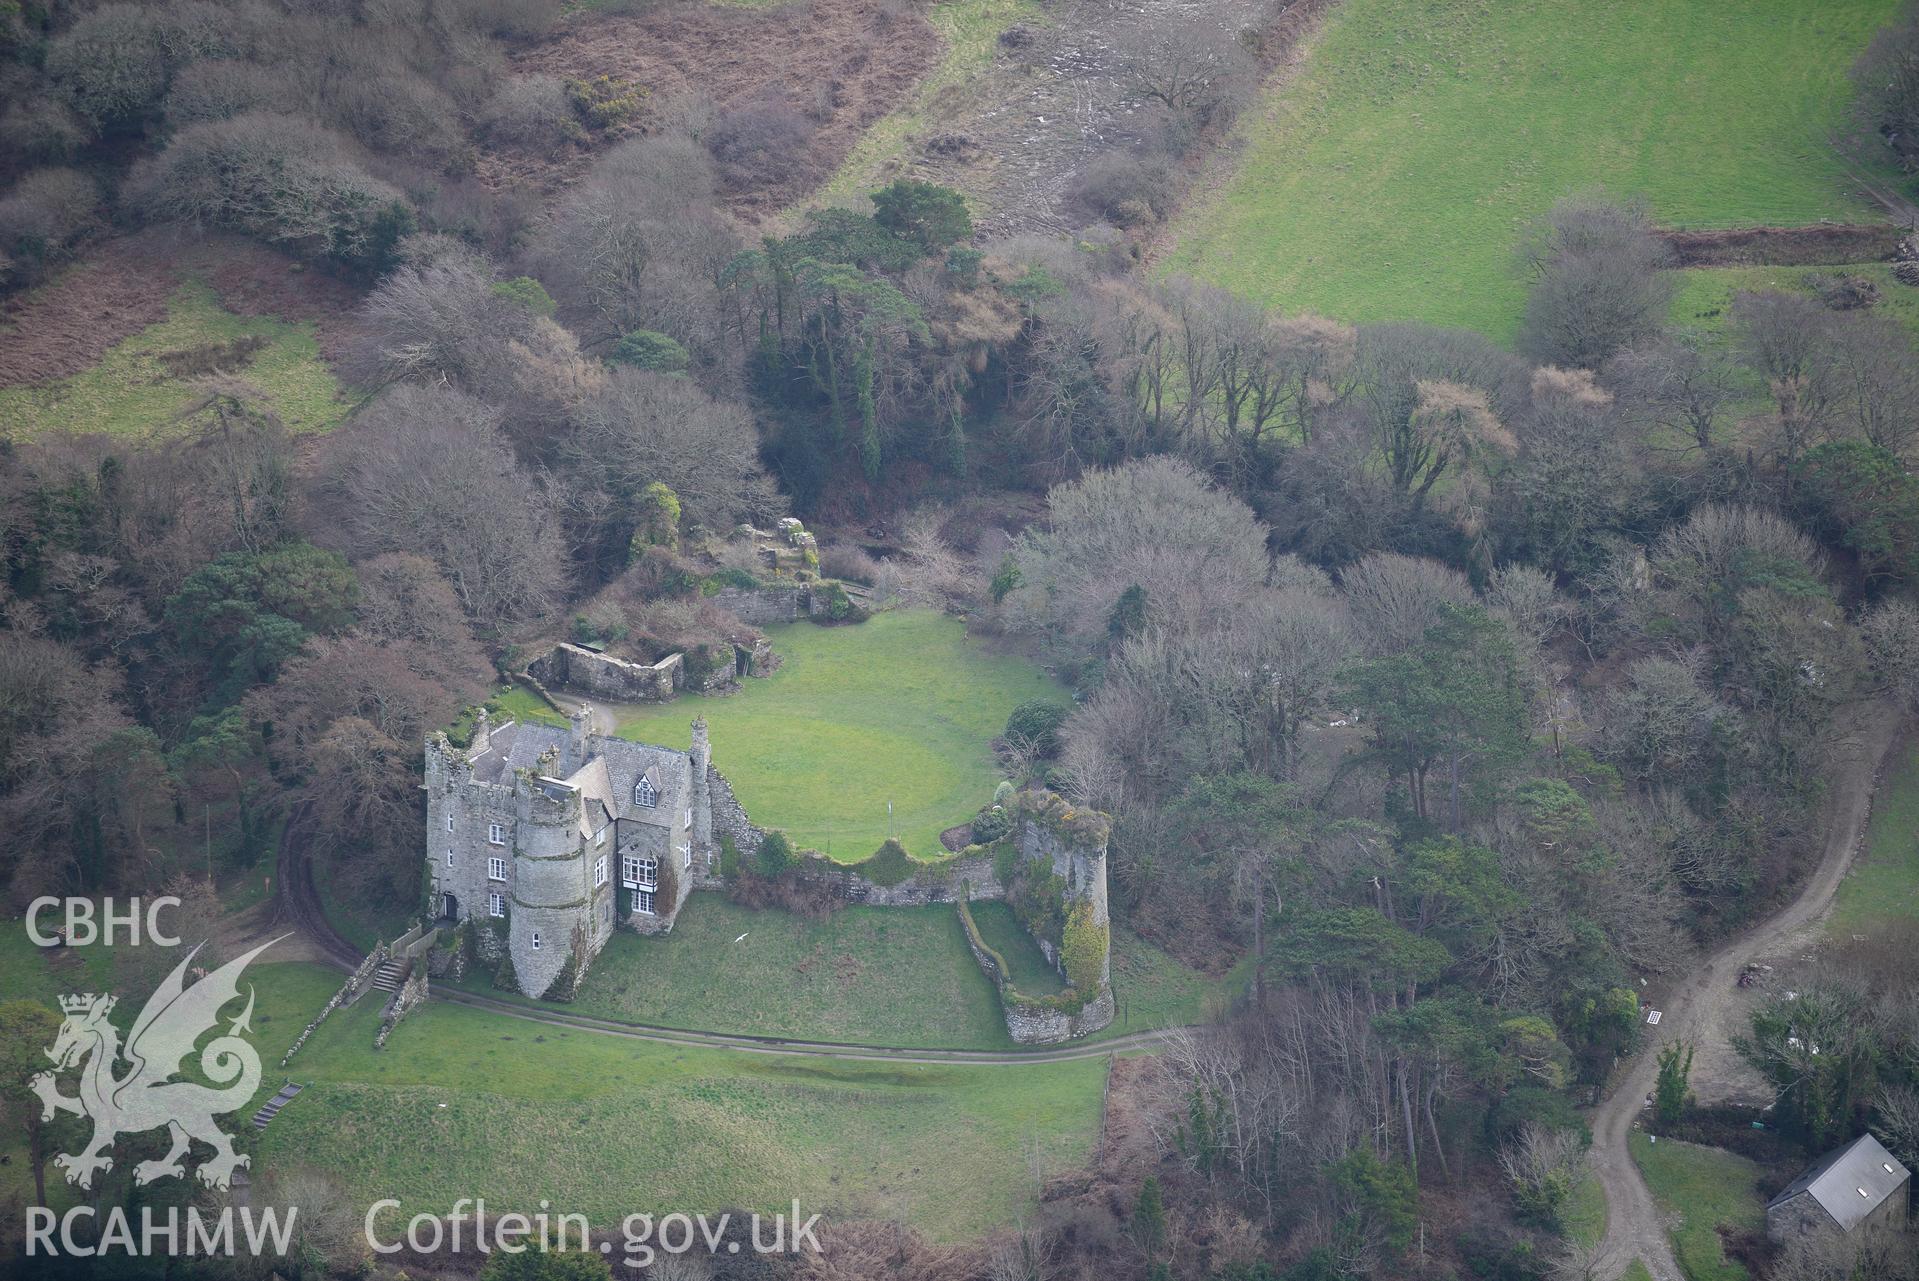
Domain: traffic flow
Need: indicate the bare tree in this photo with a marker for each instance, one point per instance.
(1394, 599)
(1544, 1167)
(638, 245)
(426, 472)
(1598, 282)
(1680, 385)
(1196, 552)
(644, 427)
(1187, 65)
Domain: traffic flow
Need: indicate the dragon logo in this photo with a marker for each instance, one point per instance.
(146, 1098)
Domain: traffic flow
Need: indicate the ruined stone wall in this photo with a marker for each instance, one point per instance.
(603, 676)
(729, 823)
(771, 604)
(972, 877)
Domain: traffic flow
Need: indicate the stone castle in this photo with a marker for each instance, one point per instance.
(559, 836)
(543, 840)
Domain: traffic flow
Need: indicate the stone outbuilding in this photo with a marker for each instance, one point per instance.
(1852, 1188)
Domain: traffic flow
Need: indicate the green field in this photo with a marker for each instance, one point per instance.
(607, 1126)
(1883, 887)
(133, 392)
(1393, 177)
(899, 710)
(1701, 1188)
(863, 975)
(1704, 298)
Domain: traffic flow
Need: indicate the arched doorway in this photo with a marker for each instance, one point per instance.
(449, 908)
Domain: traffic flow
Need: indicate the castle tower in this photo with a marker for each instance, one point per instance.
(579, 724)
(702, 754)
(550, 891)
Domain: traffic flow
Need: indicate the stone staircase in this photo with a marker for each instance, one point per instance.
(272, 1107)
(391, 974)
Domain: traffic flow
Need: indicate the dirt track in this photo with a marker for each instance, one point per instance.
(1701, 1010)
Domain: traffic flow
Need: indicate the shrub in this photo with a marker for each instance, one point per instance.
(532, 111)
(889, 865)
(775, 856)
(659, 516)
(114, 63)
(282, 179)
(605, 102)
(1126, 189)
(760, 144)
(650, 349)
(1037, 721)
(990, 824)
(1083, 947)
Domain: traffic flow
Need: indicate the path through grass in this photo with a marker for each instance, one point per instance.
(1392, 179)
(1701, 1188)
(901, 710)
(145, 381)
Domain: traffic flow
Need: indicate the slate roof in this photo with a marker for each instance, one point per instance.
(605, 779)
(1850, 1182)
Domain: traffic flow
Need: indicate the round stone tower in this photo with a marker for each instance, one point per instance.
(550, 896)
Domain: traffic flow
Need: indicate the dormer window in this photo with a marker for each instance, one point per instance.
(644, 793)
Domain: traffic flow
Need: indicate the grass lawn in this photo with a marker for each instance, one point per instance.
(132, 392)
(867, 975)
(466, 1103)
(1393, 177)
(1004, 934)
(971, 30)
(1883, 887)
(899, 710)
(1701, 1188)
(864, 975)
(607, 1126)
(1704, 299)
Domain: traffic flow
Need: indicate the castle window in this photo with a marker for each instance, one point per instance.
(496, 833)
(643, 902)
(599, 871)
(649, 874)
(536, 940)
(496, 904)
(644, 793)
(449, 860)
(496, 869)
(630, 869)
(449, 822)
